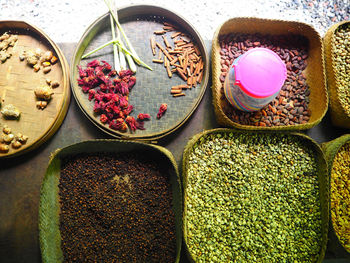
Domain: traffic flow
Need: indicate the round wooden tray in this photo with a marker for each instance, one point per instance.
(152, 88)
(17, 84)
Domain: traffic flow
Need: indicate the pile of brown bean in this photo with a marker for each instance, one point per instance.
(291, 106)
(116, 208)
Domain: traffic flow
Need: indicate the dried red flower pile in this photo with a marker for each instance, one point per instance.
(110, 94)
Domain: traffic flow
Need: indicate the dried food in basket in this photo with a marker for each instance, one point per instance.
(252, 197)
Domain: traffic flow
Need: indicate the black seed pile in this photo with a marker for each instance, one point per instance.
(116, 208)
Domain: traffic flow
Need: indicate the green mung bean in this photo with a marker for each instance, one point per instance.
(252, 198)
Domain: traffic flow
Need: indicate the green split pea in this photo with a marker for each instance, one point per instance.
(252, 198)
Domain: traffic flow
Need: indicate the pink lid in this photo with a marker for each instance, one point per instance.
(260, 72)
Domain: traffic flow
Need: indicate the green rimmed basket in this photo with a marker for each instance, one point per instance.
(314, 72)
(323, 180)
(49, 209)
(338, 115)
(331, 149)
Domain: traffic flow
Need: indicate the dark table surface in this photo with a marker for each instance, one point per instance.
(20, 178)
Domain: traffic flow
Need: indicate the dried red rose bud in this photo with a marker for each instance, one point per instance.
(131, 82)
(90, 71)
(124, 73)
(106, 65)
(162, 110)
(93, 63)
(82, 73)
(112, 73)
(97, 107)
(131, 122)
(143, 116)
(85, 89)
(124, 88)
(140, 125)
(123, 102)
(118, 124)
(91, 94)
(103, 118)
(128, 110)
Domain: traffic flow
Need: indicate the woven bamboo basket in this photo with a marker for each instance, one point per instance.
(322, 178)
(330, 150)
(17, 84)
(152, 87)
(49, 209)
(338, 115)
(315, 76)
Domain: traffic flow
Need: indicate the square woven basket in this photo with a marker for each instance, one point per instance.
(322, 175)
(314, 72)
(338, 115)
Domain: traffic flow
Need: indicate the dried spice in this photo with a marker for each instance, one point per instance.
(340, 195)
(10, 111)
(43, 92)
(4, 148)
(116, 208)
(341, 53)
(291, 106)
(38, 58)
(162, 109)
(111, 96)
(182, 56)
(252, 198)
(7, 137)
(6, 41)
(143, 116)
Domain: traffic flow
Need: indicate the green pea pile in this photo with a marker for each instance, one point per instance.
(252, 198)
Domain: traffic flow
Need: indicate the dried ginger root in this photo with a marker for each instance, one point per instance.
(41, 104)
(10, 112)
(43, 92)
(6, 41)
(4, 148)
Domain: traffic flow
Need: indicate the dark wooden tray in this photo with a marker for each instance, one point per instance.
(152, 88)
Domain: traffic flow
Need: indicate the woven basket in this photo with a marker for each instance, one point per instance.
(330, 150)
(314, 72)
(49, 210)
(322, 178)
(152, 88)
(17, 84)
(338, 115)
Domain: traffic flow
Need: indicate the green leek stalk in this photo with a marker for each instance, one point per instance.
(131, 48)
(115, 47)
(116, 41)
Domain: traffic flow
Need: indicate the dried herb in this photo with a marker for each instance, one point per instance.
(340, 195)
(116, 208)
(181, 56)
(162, 109)
(111, 96)
(252, 198)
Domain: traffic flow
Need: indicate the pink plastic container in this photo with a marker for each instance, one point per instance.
(255, 79)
